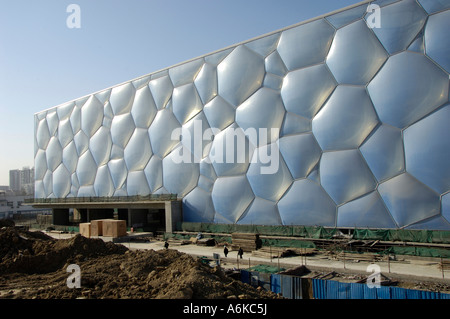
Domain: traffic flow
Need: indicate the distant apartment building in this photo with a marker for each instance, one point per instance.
(22, 180)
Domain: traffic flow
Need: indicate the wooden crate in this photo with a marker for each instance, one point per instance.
(85, 229)
(97, 227)
(114, 228)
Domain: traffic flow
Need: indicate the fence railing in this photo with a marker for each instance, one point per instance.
(136, 198)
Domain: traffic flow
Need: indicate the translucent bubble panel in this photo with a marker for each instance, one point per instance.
(306, 203)
(268, 174)
(383, 152)
(295, 54)
(300, 152)
(264, 112)
(436, 40)
(355, 55)
(345, 175)
(336, 121)
(304, 91)
(427, 149)
(240, 74)
(401, 22)
(198, 206)
(420, 87)
(345, 120)
(231, 195)
(367, 211)
(408, 200)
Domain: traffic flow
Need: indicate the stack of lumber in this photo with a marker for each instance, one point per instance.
(279, 252)
(246, 241)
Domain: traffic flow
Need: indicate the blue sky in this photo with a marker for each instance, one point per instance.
(43, 63)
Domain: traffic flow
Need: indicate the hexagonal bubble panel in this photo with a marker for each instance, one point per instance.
(264, 45)
(231, 196)
(70, 157)
(427, 150)
(39, 190)
(317, 34)
(262, 113)
(118, 170)
(273, 81)
(340, 19)
(437, 42)
(185, 73)
(65, 133)
(197, 136)
(164, 132)
(206, 82)
(103, 184)
(446, 206)
(345, 175)
(306, 203)
(261, 212)
(304, 91)
(295, 124)
(432, 6)
(52, 121)
(137, 184)
(383, 152)
(198, 206)
(40, 165)
(144, 108)
(75, 119)
(268, 174)
(355, 55)
(345, 120)
(86, 191)
(219, 113)
(81, 142)
(100, 145)
(420, 87)
(42, 134)
(121, 98)
(86, 169)
(275, 65)
(65, 110)
(400, 23)
(240, 74)
(122, 127)
(153, 172)
(91, 116)
(408, 200)
(179, 177)
(48, 183)
(186, 102)
(231, 151)
(54, 154)
(161, 89)
(138, 151)
(300, 152)
(368, 211)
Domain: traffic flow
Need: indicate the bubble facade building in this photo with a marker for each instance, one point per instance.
(356, 109)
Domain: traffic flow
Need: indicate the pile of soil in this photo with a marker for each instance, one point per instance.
(34, 265)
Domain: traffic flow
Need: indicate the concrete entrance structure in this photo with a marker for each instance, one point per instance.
(161, 214)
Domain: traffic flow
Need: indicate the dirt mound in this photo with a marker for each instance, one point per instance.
(35, 252)
(35, 266)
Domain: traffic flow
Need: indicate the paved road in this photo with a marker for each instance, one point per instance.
(420, 268)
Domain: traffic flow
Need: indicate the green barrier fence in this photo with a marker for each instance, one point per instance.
(317, 232)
